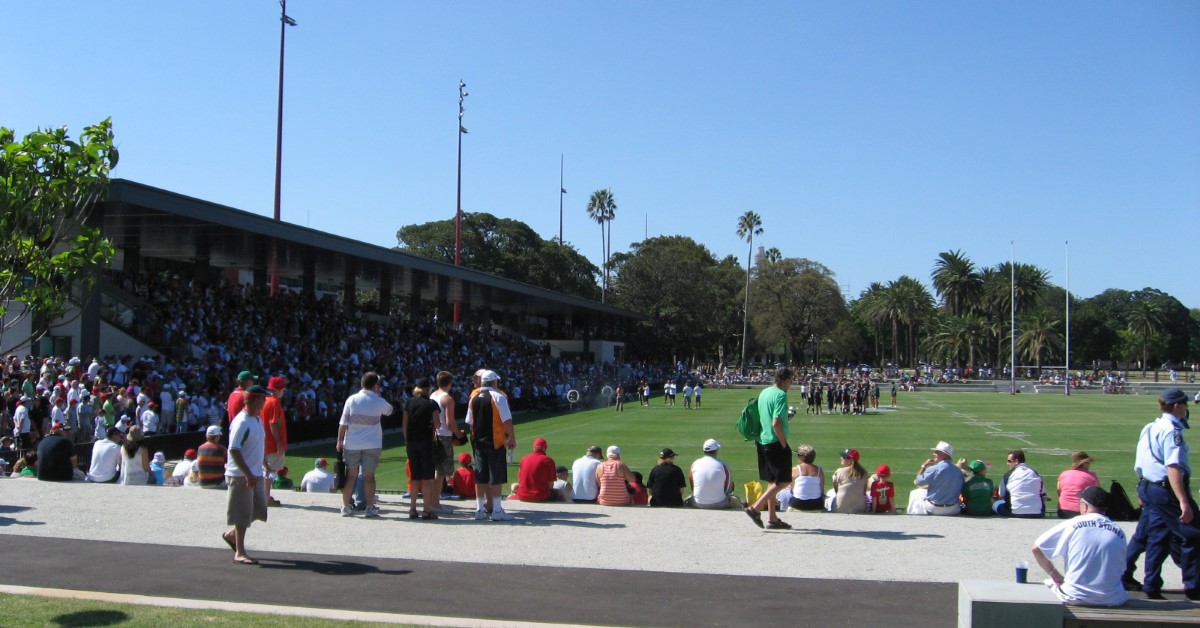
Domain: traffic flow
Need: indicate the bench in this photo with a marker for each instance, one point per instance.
(992, 603)
(1135, 613)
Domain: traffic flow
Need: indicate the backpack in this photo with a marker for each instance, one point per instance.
(1119, 506)
(749, 425)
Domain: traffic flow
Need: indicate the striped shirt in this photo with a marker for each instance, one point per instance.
(361, 416)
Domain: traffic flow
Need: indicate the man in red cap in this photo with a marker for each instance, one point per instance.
(535, 479)
(275, 424)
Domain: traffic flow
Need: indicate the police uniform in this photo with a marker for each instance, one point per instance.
(1161, 445)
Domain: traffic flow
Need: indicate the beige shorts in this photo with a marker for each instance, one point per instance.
(245, 505)
(368, 459)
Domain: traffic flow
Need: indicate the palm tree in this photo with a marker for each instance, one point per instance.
(957, 283)
(1039, 331)
(602, 207)
(1145, 318)
(773, 255)
(748, 226)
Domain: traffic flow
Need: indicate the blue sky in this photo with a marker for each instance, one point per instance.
(868, 135)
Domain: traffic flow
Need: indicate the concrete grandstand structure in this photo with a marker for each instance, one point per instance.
(161, 231)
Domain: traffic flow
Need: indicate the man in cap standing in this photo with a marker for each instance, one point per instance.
(275, 426)
(1093, 551)
(233, 406)
(1168, 510)
(247, 500)
(712, 481)
(492, 433)
(943, 484)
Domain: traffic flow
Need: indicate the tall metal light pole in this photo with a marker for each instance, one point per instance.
(561, 190)
(284, 22)
(462, 95)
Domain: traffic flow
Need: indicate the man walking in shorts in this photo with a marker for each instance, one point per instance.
(774, 455)
(247, 500)
(360, 439)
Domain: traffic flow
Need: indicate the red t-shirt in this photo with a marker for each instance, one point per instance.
(235, 403)
(272, 414)
(640, 497)
(463, 482)
(883, 496)
(535, 477)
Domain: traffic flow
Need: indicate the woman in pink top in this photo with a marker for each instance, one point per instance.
(1072, 482)
(612, 475)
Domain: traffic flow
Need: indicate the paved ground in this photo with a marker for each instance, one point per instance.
(557, 563)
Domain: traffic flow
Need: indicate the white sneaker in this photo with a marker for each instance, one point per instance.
(481, 515)
(372, 511)
(347, 511)
(500, 515)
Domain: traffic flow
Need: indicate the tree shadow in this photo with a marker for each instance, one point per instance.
(329, 568)
(91, 618)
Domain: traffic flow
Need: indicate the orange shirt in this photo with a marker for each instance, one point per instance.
(272, 414)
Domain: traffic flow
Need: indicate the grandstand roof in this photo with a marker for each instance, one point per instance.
(166, 225)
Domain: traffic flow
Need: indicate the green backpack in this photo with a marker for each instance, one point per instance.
(749, 425)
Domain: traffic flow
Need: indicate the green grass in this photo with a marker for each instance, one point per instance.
(34, 610)
(979, 425)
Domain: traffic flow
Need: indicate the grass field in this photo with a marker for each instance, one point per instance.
(978, 425)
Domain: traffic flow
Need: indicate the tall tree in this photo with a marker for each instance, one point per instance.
(958, 284)
(748, 226)
(1145, 318)
(602, 208)
(797, 301)
(49, 184)
(1039, 331)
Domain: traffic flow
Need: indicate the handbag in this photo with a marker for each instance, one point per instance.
(339, 471)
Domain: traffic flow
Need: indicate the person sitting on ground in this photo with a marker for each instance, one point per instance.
(182, 469)
(666, 481)
(462, 484)
(536, 476)
(562, 485)
(25, 466)
(882, 491)
(1020, 491)
(282, 481)
(158, 468)
(711, 480)
(583, 476)
(1093, 551)
(637, 491)
(850, 484)
(106, 458)
(977, 491)
(614, 477)
(319, 480)
(135, 460)
(808, 482)
(942, 482)
(1072, 482)
(210, 460)
(56, 456)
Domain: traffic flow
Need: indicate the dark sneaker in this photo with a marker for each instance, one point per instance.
(1131, 584)
(1154, 595)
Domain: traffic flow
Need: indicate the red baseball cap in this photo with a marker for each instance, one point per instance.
(884, 471)
(540, 444)
(851, 454)
(464, 458)
(276, 383)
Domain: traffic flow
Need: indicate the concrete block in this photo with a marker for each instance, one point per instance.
(997, 604)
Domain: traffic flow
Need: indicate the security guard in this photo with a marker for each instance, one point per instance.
(1168, 509)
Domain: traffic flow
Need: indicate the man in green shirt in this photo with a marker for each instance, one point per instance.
(774, 454)
(977, 491)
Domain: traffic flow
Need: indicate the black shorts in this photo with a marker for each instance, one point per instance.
(774, 463)
(420, 460)
(491, 466)
(817, 503)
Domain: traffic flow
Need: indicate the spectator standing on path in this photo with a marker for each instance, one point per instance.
(1093, 551)
(247, 499)
(106, 458)
(419, 424)
(492, 432)
(1022, 494)
(1168, 509)
(275, 428)
(448, 434)
(774, 454)
(233, 406)
(943, 484)
(23, 425)
(666, 482)
(712, 481)
(360, 439)
(56, 456)
(583, 476)
(210, 460)
(319, 480)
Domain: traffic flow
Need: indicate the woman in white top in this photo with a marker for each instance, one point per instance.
(135, 460)
(808, 481)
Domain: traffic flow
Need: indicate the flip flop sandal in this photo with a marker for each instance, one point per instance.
(428, 516)
(754, 516)
(779, 525)
(231, 544)
(245, 561)
(412, 514)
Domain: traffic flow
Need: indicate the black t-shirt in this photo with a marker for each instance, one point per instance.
(54, 459)
(420, 419)
(664, 483)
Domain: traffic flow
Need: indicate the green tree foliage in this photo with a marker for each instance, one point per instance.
(505, 247)
(958, 284)
(796, 300)
(48, 186)
(602, 208)
(689, 297)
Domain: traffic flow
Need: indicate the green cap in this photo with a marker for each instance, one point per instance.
(244, 375)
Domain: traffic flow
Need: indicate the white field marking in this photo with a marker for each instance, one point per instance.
(1050, 452)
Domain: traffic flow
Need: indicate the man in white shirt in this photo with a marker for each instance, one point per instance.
(244, 473)
(712, 482)
(179, 475)
(1021, 491)
(583, 476)
(106, 458)
(1093, 551)
(360, 439)
(319, 480)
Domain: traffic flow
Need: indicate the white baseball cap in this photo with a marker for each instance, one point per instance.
(711, 445)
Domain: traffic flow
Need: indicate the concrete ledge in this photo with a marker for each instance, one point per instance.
(995, 604)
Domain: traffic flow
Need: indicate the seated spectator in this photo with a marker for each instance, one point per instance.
(1020, 491)
(106, 458)
(882, 493)
(583, 476)
(535, 479)
(637, 491)
(6, 444)
(135, 460)
(1072, 482)
(25, 466)
(282, 481)
(56, 456)
(158, 468)
(850, 484)
(210, 460)
(1093, 551)
(179, 475)
(319, 480)
(562, 489)
(941, 484)
(977, 492)
(613, 478)
(463, 482)
(712, 481)
(808, 481)
(666, 481)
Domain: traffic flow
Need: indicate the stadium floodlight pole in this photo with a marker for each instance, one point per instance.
(1012, 304)
(462, 95)
(284, 22)
(1067, 351)
(561, 190)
